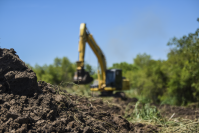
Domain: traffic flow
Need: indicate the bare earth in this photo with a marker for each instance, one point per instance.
(30, 106)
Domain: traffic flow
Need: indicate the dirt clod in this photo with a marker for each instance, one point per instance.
(15, 76)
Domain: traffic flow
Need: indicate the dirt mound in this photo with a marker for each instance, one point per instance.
(15, 76)
(51, 112)
(30, 106)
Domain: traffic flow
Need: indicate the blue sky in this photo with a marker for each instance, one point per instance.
(41, 30)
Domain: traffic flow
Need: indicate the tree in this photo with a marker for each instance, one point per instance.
(61, 70)
(142, 60)
(183, 70)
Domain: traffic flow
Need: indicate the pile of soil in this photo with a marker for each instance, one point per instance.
(15, 76)
(30, 106)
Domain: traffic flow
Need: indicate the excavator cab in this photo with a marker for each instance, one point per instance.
(114, 78)
(82, 77)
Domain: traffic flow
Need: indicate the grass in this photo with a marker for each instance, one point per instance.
(182, 125)
(77, 89)
(144, 113)
(150, 115)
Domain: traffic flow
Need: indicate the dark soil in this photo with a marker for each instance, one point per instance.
(30, 106)
(15, 76)
(180, 112)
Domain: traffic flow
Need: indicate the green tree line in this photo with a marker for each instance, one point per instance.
(173, 81)
(62, 70)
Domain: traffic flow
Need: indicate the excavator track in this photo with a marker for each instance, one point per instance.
(111, 94)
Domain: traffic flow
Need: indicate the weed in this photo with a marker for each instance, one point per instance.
(147, 113)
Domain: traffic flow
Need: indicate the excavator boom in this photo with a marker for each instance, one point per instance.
(81, 76)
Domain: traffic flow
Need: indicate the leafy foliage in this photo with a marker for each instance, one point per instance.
(61, 70)
(183, 70)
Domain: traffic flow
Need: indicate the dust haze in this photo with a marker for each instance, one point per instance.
(133, 37)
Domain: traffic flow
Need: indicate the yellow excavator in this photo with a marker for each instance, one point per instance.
(108, 80)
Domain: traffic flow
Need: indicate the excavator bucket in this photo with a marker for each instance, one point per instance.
(82, 77)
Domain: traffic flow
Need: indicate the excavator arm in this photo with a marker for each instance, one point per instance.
(81, 76)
